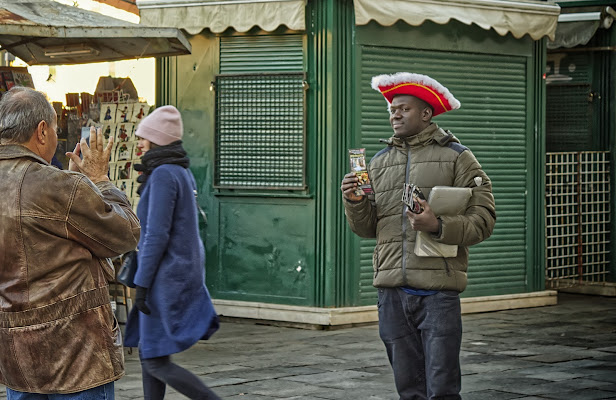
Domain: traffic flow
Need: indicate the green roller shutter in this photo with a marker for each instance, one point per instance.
(265, 53)
(260, 113)
(492, 123)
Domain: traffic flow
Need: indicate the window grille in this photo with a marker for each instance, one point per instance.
(569, 117)
(260, 131)
(577, 218)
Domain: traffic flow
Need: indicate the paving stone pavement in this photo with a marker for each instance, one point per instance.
(564, 352)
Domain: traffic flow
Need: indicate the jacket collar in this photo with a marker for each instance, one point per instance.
(11, 151)
(432, 133)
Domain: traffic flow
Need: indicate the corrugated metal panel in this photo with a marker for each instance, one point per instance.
(492, 122)
(266, 53)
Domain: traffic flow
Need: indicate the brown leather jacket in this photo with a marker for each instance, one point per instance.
(57, 331)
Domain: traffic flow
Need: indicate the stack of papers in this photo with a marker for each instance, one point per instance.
(443, 200)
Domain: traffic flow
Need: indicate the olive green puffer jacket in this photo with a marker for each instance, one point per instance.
(431, 158)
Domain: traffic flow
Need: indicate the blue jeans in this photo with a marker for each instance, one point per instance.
(422, 335)
(104, 392)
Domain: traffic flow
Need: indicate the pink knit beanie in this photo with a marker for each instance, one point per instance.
(162, 127)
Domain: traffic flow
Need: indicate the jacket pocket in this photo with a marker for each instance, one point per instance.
(111, 329)
(10, 370)
(66, 355)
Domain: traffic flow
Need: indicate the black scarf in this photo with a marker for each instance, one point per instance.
(172, 153)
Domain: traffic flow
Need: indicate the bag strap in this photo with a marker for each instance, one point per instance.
(199, 207)
(194, 185)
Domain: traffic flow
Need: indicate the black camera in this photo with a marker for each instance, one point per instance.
(410, 196)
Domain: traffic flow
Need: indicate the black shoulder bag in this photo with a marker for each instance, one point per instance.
(126, 274)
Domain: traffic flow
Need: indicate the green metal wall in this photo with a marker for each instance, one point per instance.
(603, 67)
(604, 132)
(265, 237)
(536, 230)
(330, 123)
(494, 79)
(611, 136)
(256, 240)
(259, 244)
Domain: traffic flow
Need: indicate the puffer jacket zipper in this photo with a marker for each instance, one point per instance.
(404, 217)
(376, 261)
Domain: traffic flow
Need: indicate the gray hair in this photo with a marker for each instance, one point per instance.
(21, 110)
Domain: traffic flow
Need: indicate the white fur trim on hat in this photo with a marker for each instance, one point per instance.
(386, 80)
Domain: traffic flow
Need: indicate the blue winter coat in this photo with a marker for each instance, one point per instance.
(171, 261)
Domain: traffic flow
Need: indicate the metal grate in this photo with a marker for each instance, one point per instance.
(260, 131)
(568, 117)
(577, 218)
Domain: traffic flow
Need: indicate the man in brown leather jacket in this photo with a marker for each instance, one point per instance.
(57, 330)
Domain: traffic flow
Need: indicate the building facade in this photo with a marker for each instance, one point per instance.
(276, 92)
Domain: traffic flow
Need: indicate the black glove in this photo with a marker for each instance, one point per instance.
(140, 297)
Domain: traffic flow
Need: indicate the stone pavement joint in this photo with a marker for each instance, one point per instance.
(563, 352)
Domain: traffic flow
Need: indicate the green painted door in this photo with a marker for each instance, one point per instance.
(265, 225)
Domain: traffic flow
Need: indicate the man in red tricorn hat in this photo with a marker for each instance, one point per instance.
(418, 293)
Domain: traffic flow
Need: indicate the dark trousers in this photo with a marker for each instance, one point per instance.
(159, 372)
(422, 335)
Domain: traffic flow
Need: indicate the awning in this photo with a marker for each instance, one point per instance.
(535, 18)
(217, 16)
(47, 32)
(577, 28)
(571, 34)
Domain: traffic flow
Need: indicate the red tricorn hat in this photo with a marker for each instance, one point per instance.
(420, 86)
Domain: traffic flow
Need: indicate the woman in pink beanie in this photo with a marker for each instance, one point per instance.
(173, 309)
(162, 127)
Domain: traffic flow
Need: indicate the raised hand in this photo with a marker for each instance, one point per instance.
(95, 162)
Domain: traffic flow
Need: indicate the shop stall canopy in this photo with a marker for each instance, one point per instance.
(241, 15)
(535, 18)
(50, 33)
(577, 26)
(521, 17)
